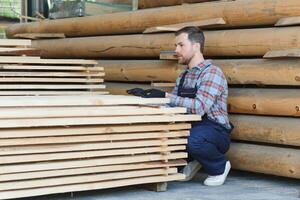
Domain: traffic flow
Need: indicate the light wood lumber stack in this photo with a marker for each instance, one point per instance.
(255, 55)
(57, 144)
(31, 75)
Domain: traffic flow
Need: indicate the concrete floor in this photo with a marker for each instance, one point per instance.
(239, 186)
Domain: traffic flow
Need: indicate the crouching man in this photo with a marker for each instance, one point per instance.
(202, 89)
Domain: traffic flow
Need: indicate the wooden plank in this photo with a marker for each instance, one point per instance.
(50, 86)
(50, 67)
(14, 49)
(90, 130)
(36, 36)
(90, 138)
(38, 60)
(14, 42)
(16, 123)
(85, 154)
(41, 166)
(50, 93)
(52, 74)
(288, 21)
(45, 112)
(50, 80)
(44, 148)
(168, 55)
(88, 100)
(88, 186)
(87, 178)
(163, 84)
(288, 53)
(214, 22)
(90, 170)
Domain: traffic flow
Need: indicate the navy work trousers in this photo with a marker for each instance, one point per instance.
(208, 142)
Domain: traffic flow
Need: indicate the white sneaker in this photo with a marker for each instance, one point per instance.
(190, 170)
(219, 179)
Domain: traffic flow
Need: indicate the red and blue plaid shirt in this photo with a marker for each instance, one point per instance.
(211, 96)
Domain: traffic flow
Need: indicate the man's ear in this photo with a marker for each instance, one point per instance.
(197, 46)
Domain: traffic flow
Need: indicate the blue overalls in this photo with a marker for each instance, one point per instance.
(208, 141)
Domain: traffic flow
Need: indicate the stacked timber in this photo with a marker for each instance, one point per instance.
(31, 75)
(259, 55)
(58, 144)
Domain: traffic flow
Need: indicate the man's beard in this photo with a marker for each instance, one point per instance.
(183, 61)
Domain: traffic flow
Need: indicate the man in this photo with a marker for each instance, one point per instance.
(203, 90)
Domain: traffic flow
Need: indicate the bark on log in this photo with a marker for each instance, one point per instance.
(276, 130)
(265, 159)
(158, 3)
(240, 42)
(235, 13)
(278, 102)
(237, 71)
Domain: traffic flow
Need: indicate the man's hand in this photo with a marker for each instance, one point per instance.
(137, 92)
(154, 93)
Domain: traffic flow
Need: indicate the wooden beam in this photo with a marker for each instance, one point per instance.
(15, 123)
(89, 170)
(215, 22)
(90, 130)
(51, 93)
(288, 21)
(88, 100)
(10, 159)
(91, 145)
(91, 138)
(14, 42)
(69, 164)
(90, 111)
(38, 60)
(87, 178)
(289, 53)
(88, 186)
(168, 55)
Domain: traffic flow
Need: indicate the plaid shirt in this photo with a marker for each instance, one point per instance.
(211, 96)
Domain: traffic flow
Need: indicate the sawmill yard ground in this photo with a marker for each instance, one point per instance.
(239, 186)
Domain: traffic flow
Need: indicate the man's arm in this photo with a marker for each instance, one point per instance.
(208, 89)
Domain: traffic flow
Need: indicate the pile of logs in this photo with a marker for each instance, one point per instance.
(259, 55)
(56, 144)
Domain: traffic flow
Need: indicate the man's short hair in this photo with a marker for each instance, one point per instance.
(194, 33)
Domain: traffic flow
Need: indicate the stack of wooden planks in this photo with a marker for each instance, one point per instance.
(31, 75)
(259, 55)
(57, 144)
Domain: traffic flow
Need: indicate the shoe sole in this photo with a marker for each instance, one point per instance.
(191, 176)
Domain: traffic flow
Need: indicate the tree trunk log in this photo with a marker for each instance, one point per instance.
(235, 13)
(277, 102)
(265, 159)
(276, 130)
(237, 71)
(238, 42)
